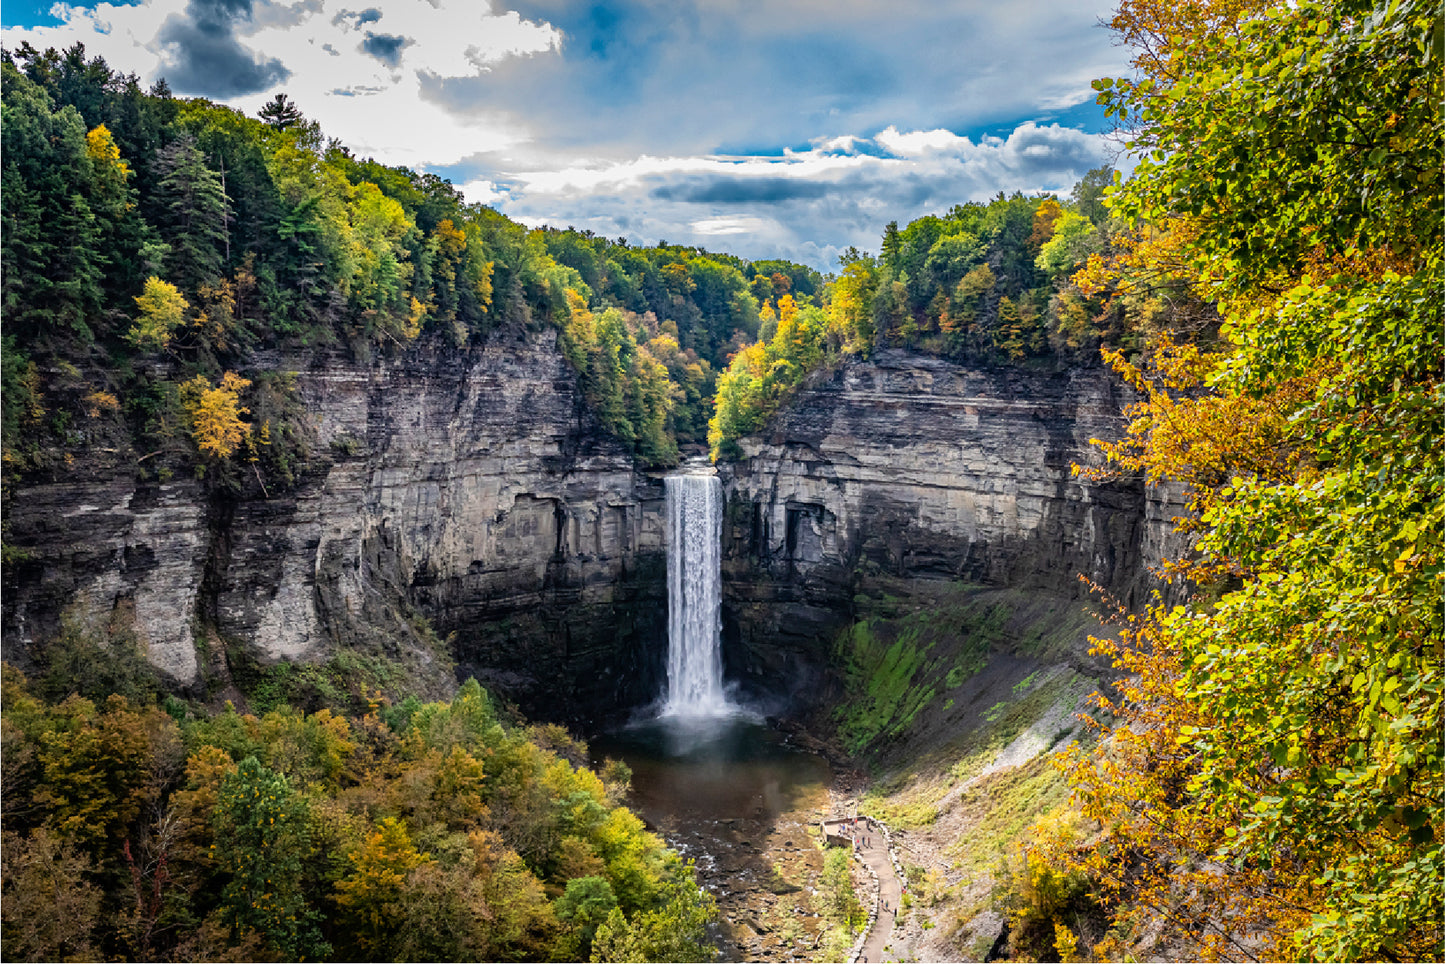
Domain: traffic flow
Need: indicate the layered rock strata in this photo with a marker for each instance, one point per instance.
(471, 487)
(914, 469)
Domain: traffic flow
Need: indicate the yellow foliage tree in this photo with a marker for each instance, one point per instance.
(112, 173)
(374, 892)
(162, 310)
(216, 414)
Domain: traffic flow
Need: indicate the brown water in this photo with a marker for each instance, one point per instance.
(733, 796)
(712, 769)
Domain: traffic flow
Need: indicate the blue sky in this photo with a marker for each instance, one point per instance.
(769, 129)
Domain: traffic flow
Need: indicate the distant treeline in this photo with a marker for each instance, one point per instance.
(1015, 281)
(152, 244)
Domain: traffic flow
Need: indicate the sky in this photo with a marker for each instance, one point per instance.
(765, 128)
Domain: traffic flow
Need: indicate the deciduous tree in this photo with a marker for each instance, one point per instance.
(216, 412)
(1278, 771)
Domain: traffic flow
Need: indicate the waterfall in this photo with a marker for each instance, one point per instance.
(694, 596)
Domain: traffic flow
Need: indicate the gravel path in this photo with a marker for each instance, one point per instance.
(890, 891)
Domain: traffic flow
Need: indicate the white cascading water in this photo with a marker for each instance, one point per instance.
(694, 597)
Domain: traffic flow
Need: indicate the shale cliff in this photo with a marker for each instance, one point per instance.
(472, 487)
(906, 473)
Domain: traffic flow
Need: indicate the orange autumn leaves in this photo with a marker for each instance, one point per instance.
(1271, 782)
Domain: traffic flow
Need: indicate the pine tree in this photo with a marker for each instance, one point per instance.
(194, 213)
(281, 112)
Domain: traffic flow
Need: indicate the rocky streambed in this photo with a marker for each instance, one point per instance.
(743, 802)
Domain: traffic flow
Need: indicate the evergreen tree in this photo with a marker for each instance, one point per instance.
(281, 112)
(195, 214)
(52, 241)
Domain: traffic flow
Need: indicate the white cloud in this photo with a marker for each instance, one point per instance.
(483, 191)
(919, 143)
(732, 225)
(372, 106)
(665, 122)
(804, 205)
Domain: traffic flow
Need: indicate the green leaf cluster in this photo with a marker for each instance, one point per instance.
(1287, 718)
(986, 283)
(148, 240)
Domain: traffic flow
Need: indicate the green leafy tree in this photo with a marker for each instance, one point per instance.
(675, 931)
(1089, 193)
(263, 843)
(1068, 246)
(837, 885)
(584, 906)
(1278, 770)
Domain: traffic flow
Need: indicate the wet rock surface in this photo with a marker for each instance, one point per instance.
(763, 873)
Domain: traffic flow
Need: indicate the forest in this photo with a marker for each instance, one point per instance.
(154, 244)
(137, 829)
(1267, 775)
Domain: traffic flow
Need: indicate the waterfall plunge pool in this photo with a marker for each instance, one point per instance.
(730, 794)
(720, 786)
(688, 771)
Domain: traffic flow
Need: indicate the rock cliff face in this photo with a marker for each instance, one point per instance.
(471, 487)
(909, 471)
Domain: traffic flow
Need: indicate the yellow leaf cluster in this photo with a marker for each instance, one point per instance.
(162, 309)
(104, 154)
(100, 401)
(215, 413)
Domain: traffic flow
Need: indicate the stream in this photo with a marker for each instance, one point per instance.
(728, 793)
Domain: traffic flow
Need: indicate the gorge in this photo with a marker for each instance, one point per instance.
(474, 488)
(343, 580)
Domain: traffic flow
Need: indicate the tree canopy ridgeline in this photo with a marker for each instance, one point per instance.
(151, 241)
(986, 283)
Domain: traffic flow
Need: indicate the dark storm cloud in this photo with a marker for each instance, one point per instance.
(738, 190)
(385, 47)
(203, 55)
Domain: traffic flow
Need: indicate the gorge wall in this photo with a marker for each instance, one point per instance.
(474, 488)
(907, 473)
